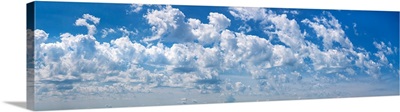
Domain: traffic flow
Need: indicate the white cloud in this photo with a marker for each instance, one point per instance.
(329, 30)
(329, 59)
(95, 20)
(106, 31)
(294, 12)
(350, 71)
(326, 59)
(373, 68)
(209, 33)
(246, 28)
(382, 47)
(354, 28)
(247, 14)
(382, 57)
(219, 21)
(40, 36)
(240, 87)
(204, 33)
(288, 31)
(136, 7)
(126, 32)
(283, 56)
(169, 24)
(83, 22)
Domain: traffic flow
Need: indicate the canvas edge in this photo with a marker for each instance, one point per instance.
(30, 75)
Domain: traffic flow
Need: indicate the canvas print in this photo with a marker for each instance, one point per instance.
(104, 55)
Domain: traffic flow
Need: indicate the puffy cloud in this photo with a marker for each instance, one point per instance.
(297, 51)
(95, 20)
(329, 30)
(286, 30)
(209, 33)
(83, 22)
(283, 56)
(168, 23)
(40, 36)
(219, 21)
(204, 33)
(329, 59)
(383, 48)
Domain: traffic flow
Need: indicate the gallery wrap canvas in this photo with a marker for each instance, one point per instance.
(105, 55)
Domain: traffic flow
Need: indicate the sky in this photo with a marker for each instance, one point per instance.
(90, 55)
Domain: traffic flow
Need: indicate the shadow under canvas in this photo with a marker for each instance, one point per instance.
(20, 104)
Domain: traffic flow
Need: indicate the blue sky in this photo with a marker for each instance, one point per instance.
(85, 51)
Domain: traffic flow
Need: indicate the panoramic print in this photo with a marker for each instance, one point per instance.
(102, 55)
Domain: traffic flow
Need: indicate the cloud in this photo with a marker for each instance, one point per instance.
(83, 22)
(240, 87)
(219, 21)
(383, 47)
(126, 32)
(136, 7)
(246, 14)
(95, 20)
(354, 28)
(287, 31)
(209, 33)
(329, 30)
(106, 31)
(40, 36)
(168, 24)
(245, 28)
(229, 98)
(298, 51)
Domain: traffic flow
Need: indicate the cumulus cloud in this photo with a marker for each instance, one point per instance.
(326, 59)
(83, 22)
(40, 36)
(209, 33)
(330, 30)
(168, 23)
(219, 21)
